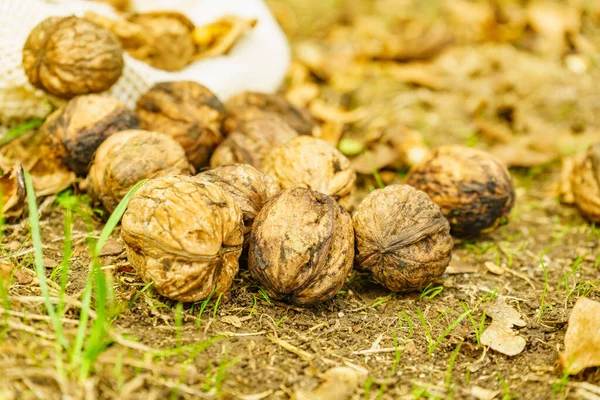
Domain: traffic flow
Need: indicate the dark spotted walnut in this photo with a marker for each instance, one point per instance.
(75, 130)
(128, 157)
(184, 234)
(402, 238)
(248, 187)
(170, 44)
(188, 112)
(473, 189)
(69, 56)
(301, 247)
(300, 120)
(585, 183)
(312, 163)
(252, 141)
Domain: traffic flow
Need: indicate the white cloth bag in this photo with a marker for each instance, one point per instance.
(258, 61)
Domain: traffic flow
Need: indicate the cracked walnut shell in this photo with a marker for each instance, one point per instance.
(185, 234)
(312, 163)
(69, 56)
(473, 189)
(301, 247)
(248, 187)
(128, 157)
(252, 141)
(402, 238)
(585, 183)
(188, 112)
(75, 130)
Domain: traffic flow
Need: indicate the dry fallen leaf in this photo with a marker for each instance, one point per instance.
(582, 341)
(232, 320)
(494, 268)
(218, 38)
(12, 193)
(500, 335)
(5, 271)
(484, 394)
(339, 383)
(48, 174)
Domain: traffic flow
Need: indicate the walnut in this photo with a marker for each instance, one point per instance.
(170, 44)
(473, 189)
(585, 183)
(69, 56)
(252, 141)
(12, 193)
(185, 234)
(312, 163)
(75, 130)
(402, 237)
(301, 247)
(187, 111)
(248, 187)
(299, 119)
(128, 157)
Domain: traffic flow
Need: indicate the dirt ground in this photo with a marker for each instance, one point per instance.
(247, 346)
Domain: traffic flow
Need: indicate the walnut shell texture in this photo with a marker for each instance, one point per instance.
(188, 112)
(248, 187)
(128, 157)
(171, 45)
(402, 237)
(75, 130)
(473, 189)
(312, 163)
(299, 119)
(585, 182)
(184, 234)
(69, 56)
(301, 247)
(252, 141)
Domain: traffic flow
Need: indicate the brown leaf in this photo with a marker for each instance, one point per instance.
(12, 193)
(582, 341)
(494, 268)
(218, 38)
(339, 383)
(111, 248)
(232, 320)
(499, 335)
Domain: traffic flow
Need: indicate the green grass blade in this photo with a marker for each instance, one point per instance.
(20, 130)
(40, 269)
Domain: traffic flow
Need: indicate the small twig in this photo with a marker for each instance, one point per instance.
(28, 329)
(233, 334)
(374, 351)
(306, 356)
(36, 317)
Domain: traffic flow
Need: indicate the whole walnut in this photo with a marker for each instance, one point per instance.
(248, 187)
(585, 183)
(473, 189)
(301, 247)
(128, 157)
(252, 141)
(312, 163)
(402, 237)
(75, 130)
(299, 119)
(69, 56)
(185, 234)
(187, 111)
(170, 44)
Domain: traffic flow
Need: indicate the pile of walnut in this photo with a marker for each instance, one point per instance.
(247, 176)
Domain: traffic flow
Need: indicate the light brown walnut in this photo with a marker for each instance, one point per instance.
(69, 56)
(185, 234)
(128, 157)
